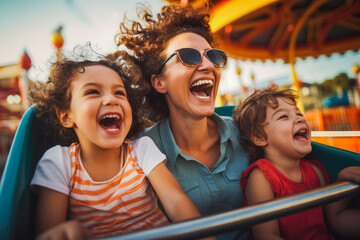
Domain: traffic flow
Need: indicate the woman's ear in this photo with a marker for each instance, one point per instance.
(65, 119)
(258, 141)
(158, 83)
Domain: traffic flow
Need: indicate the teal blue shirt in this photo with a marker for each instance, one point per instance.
(212, 191)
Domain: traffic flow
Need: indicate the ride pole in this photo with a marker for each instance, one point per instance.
(312, 8)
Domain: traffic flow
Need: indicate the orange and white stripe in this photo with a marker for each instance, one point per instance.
(124, 203)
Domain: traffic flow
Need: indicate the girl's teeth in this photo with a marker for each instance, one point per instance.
(112, 129)
(110, 116)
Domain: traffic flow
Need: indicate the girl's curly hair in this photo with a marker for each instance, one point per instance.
(148, 38)
(250, 116)
(56, 93)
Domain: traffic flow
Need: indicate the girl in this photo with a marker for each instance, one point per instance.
(98, 186)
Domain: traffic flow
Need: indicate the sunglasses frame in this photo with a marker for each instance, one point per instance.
(201, 55)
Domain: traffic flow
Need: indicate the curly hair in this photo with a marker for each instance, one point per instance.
(55, 94)
(148, 39)
(250, 116)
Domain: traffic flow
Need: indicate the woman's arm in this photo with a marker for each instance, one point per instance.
(52, 215)
(258, 189)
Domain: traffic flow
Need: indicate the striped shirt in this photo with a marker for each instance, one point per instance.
(124, 203)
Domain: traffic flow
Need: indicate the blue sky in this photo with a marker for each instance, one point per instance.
(28, 24)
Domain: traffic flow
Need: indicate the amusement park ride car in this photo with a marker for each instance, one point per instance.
(17, 202)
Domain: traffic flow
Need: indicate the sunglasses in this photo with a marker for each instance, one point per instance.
(191, 57)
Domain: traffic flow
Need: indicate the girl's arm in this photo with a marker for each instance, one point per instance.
(177, 204)
(70, 230)
(258, 189)
(344, 221)
(52, 215)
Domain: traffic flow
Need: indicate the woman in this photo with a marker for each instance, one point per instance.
(175, 51)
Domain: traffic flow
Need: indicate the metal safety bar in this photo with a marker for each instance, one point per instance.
(246, 216)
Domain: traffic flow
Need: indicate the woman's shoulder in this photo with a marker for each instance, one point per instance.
(227, 121)
(227, 127)
(152, 131)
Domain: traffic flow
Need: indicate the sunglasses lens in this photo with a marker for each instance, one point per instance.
(189, 56)
(217, 57)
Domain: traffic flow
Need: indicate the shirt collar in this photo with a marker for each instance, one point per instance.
(171, 148)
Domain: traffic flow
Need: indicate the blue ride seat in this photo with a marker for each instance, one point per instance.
(18, 203)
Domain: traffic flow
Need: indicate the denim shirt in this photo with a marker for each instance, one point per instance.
(212, 191)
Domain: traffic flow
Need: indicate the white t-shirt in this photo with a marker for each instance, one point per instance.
(54, 168)
(123, 203)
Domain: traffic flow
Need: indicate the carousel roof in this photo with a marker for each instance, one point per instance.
(263, 29)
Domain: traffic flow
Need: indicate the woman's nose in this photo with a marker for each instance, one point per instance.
(205, 63)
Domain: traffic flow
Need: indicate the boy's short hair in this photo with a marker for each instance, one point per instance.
(250, 116)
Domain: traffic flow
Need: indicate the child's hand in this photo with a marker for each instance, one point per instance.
(349, 174)
(66, 231)
(342, 219)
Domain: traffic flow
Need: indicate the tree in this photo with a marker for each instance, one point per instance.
(329, 86)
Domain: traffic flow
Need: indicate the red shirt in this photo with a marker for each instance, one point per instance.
(309, 224)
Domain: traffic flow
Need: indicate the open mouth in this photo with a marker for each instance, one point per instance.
(111, 122)
(202, 89)
(301, 135)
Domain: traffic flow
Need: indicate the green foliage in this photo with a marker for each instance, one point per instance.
(330, 86)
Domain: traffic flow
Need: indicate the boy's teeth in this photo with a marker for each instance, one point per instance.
(203, 97)
(201, 82)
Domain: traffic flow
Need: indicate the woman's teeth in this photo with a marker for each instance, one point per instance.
(202, 82)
